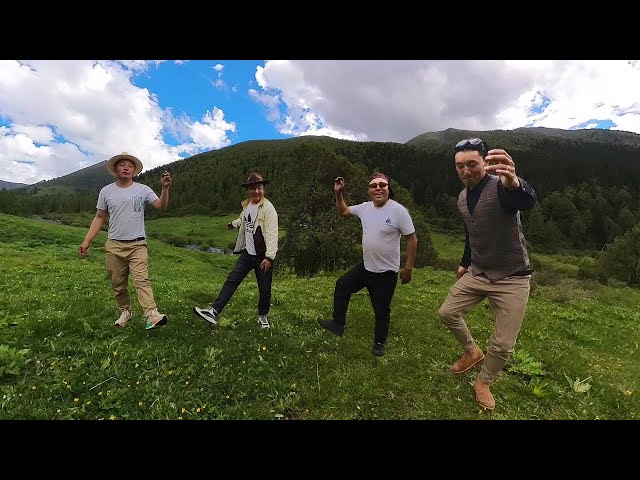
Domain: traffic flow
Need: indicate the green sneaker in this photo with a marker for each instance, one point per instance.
(156, 320)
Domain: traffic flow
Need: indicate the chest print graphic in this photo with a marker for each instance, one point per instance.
(249, 224)
(137, 204)
(387, 221)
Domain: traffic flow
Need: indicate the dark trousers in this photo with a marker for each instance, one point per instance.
(243, 266)
(381, 287)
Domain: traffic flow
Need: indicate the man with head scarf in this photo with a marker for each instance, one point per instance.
(384, 222)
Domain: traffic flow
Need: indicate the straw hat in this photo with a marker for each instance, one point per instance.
(111, 163)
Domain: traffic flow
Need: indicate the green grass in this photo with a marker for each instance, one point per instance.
(194, 229)
(61, 358)
(448, 246)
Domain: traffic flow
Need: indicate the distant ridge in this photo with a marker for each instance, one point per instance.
(453, 135)
(613, 156)
(11, 185)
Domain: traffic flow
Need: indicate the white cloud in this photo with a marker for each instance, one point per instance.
(211, 132)
(395, 100)
(61, 116)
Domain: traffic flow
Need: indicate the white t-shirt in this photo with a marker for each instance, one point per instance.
(382, 228)
(126, 209)
(250, 214)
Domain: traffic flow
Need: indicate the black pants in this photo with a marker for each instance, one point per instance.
(381, 287)
(243, 266)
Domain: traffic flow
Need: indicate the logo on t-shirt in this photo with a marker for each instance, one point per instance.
(137, 204)
(249, 224)
(388, 221)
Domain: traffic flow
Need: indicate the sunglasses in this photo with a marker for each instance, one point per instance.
(379, 184)
(472, 144)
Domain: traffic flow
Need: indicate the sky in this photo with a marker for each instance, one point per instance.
(59, 116)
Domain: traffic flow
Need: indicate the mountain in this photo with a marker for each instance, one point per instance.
(518, 136)
(587, 182)
(88, 179)
(548, 157)
(10, 185)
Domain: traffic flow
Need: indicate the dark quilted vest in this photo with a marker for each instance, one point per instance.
(497, 243)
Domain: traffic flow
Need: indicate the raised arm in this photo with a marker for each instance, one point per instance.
(338, 187)
(162, 202)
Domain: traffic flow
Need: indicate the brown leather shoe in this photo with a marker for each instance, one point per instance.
(468, 360)
(483, 395)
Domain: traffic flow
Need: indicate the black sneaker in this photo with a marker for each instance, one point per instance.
(208, 314)
(332, 326)
(378, 349)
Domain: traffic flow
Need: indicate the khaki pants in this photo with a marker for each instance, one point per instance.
(125, 257)
(508, 299)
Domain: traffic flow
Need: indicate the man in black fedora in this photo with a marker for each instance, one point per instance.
(257, 244)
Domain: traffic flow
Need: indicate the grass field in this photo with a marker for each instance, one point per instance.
(60, 357)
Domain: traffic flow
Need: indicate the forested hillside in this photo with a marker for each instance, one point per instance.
(587, 182)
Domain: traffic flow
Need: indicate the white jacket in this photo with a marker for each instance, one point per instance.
(265, 229)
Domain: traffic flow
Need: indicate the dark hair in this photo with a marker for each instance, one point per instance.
(475, 144)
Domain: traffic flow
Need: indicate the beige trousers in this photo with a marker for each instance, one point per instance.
(508, 299)
(125, 257)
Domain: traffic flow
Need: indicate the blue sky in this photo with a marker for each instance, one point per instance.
(58, 116)
(183, 88)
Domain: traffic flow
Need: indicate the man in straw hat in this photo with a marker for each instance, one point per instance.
(384, 222)
(257, 244)
(126, 247)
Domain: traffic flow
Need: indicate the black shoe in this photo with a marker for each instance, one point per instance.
(333, 327)
(378, 349)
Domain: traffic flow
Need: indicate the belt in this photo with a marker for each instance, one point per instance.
(520, 273)
(127, 241)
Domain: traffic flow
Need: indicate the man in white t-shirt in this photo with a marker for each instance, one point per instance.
(126, 247)
(384, 222)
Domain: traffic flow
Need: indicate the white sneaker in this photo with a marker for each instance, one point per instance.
(208, 314)
(123, 320)
(263, 321)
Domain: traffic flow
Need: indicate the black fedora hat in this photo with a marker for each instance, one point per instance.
(253, 178)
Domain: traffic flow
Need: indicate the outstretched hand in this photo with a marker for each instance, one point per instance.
(498, 161)
(338, 185)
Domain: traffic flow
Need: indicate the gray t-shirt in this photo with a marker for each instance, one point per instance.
(382, 229)
(126, 209)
